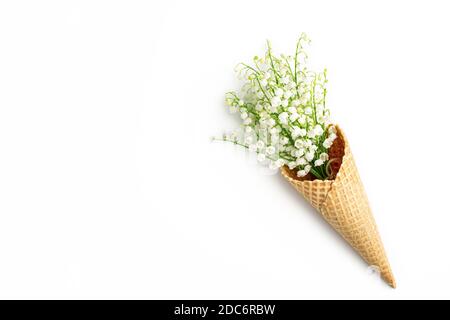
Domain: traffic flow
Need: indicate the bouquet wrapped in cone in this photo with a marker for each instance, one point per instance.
(286, 122)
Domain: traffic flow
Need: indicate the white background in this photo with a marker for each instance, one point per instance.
(111, 188)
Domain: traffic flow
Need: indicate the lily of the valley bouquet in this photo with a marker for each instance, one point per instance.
(286, 122)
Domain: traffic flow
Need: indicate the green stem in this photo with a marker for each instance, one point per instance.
(269, 51)
(317, 174)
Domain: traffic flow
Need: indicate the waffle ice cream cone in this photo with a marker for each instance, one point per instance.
(344, 205)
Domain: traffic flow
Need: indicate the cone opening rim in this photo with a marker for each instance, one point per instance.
(286, 172)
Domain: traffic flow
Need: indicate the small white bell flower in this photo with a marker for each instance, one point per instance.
(279, 92)
(292, 165)
(276, 101)
(293, 117)
(292, 110)
(283, 117)
(309, 156)
(327, 143)
(279, 163)
(318, 130)
(270, 150)
(301, 173)
(301, 161)
(324, 156)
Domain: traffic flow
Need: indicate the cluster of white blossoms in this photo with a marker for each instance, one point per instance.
(284, 117)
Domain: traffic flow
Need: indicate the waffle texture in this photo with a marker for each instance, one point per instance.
(344, 205)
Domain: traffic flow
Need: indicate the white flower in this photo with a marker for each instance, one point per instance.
(261, 157)
(289, 124)
(279, 163)
(327, 143)
(298, 153)
(308, 143)
(283, 117)
(332, 137)
(291, 85)
(301, 161)
(273, 108)
(308, 110)
(302, 119)
(292, 165)
(296, 103)
(293, 117)
(288, 94)
(295, 132)
(304, 99)
(270, 150)
(276, 101)
(301, 173)
(270, 122)
(326, 120)
(292, 110)
(318, 130)
(321, 119)
(324, 156)
(309, 156)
